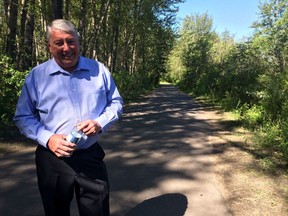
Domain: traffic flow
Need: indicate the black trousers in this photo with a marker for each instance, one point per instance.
(84, 173)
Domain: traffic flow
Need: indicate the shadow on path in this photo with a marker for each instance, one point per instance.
(161, 146)
(18, 185)
(161, 205)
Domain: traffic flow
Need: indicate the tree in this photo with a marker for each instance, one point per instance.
(271, 39)
(131, 38)
(272, 27)
(25, 55)
(196, 37)
(57, 9)
(11, 12)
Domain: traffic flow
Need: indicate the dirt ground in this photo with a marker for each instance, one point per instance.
(250, 184)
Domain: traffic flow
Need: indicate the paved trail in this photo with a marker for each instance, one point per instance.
(158, 157)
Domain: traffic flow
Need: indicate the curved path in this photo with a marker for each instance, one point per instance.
(158, 157)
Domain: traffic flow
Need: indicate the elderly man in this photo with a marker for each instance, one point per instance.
(64, 92)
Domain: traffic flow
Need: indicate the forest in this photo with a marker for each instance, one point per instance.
(132, 38)
(141, 44)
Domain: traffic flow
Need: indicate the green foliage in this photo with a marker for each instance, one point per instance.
(268, 136)
(229, 102)
(252, 116)
(188, 60)
(239, 76)
(132, 38)
(11, 82)
(268, 165)
(250, 77)
(284, 129)
(131, 86)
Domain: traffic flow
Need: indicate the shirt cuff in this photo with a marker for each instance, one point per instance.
(102, 121)
(44, 137)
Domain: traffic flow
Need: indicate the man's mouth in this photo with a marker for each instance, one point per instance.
(68, 55)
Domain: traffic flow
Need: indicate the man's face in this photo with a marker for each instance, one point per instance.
(65, 49)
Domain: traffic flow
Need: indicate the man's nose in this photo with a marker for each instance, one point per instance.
(65, 46)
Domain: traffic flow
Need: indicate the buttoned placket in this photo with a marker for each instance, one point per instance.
(75, 96)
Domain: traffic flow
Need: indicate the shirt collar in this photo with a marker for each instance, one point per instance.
(55, 68)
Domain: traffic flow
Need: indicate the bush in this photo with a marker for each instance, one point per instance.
(271, 136)
(252, 117)
(229, 102)
(131, 85)
(11, 82)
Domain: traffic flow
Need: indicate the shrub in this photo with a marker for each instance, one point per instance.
(11, 82)
(252, 117)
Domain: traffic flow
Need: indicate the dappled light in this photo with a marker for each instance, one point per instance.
(161, 146)
(168, 155)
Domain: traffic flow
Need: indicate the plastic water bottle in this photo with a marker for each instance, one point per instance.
(74, 136)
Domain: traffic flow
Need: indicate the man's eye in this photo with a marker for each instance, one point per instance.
(58, 43)
(72, 42)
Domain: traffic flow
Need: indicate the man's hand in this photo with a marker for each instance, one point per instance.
(60, 146)
(89, 127)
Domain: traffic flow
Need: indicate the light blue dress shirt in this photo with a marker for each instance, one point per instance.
(52, 100)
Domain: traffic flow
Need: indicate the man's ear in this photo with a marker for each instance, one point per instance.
(49, 46)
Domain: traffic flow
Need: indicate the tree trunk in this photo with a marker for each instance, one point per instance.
(81, 27)
(30, 58)
(12, 7)
(67, 10)
(114, 46)
(57, 9)
(21, 54)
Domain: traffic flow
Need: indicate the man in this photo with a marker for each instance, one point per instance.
(66, 91)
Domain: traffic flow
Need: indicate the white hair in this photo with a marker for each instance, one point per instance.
(62, 25)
